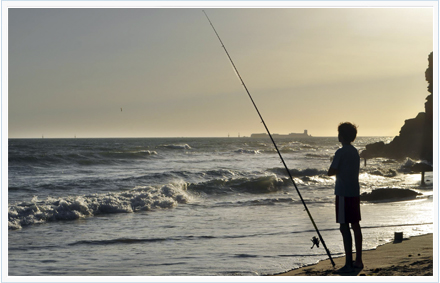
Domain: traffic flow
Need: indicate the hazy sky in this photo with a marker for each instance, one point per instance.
(72, 70)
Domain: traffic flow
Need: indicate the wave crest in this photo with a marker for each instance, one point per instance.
(76, 207)
(247, 151)
(255, 185)
(175, 146)
(308, 172)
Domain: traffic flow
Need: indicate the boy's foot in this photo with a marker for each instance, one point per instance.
(357, 265)
(345, 269)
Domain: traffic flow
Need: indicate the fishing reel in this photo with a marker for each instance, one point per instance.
(315, 241)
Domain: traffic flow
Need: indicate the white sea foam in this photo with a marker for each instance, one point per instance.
(76, 207)
(176, 146)
(248, 151)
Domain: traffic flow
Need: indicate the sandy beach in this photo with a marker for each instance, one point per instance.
(411, 257)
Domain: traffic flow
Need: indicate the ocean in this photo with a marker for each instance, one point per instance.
(191, 206)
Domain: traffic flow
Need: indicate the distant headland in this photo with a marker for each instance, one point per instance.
(291, 135)
(415, 139)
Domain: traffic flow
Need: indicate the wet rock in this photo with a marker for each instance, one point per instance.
(389, 194)
(421, 167)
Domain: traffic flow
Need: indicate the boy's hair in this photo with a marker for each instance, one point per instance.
(348, 131)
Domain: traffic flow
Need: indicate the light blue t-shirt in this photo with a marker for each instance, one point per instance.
(346, 161)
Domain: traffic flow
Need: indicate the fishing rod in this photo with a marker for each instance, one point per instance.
(279, 153)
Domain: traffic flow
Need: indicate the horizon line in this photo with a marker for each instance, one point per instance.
(177, 137)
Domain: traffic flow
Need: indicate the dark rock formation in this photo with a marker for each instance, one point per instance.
(389, 194)
(427, 151)
(421, 168)
(415, 139)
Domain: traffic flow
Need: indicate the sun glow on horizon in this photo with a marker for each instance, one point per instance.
(72, 70)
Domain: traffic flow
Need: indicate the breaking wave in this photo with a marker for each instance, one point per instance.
(248, 151)
(255, 185)
(385, 173)
(175, 146)
(308, 172)
(76, 207)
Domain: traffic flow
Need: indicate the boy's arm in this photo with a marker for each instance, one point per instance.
(335, 164)
(335, 161)
(332, 171)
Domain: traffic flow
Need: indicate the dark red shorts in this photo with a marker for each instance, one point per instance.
(348, 209)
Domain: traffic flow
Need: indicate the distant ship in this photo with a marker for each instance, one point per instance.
(291, 135)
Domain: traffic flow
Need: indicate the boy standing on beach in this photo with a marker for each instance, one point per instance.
(345, 166)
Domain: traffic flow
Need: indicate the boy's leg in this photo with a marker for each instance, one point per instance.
(348, 244)
(358, 243)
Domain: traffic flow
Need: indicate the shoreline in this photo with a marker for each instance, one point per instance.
(411, 257)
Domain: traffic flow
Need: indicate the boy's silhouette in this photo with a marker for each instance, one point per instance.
(345, 166)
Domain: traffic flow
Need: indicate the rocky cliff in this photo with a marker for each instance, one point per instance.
(415, 139)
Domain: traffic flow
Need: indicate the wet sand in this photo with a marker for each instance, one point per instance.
(411, 257)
